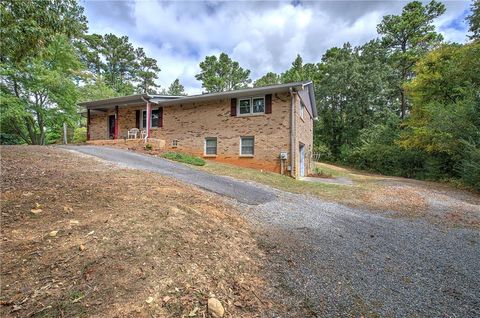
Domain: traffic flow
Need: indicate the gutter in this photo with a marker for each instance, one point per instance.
(292, 133)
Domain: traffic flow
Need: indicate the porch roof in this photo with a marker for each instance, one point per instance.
(108, 103)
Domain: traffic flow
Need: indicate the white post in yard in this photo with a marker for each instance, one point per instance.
(64, 133)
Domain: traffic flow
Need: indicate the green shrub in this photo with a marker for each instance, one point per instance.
(185, 158)
(322, 173)
(378, 151)
(322, 152)
(148, 147)
(10, 139)
(470, 167)
(80, 135)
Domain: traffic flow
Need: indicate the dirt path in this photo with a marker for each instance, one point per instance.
(340, 261)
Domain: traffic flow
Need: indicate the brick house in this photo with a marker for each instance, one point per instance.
(267, 128)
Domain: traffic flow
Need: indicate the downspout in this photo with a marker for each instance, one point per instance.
(292, 133)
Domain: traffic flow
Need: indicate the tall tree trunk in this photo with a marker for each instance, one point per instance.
(41, 127)
(30, 124)
(403, 105)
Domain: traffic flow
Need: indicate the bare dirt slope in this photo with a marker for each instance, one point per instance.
(81, 238)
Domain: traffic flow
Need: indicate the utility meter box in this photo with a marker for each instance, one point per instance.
(283, 155)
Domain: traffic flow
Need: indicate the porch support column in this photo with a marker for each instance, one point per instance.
(149, 118)
(88, 124)
(115, 136)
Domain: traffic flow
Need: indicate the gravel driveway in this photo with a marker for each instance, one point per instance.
(339, 261)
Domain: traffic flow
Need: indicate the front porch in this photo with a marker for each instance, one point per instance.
(113, 118)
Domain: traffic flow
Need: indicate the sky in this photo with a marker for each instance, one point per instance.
(263, 36)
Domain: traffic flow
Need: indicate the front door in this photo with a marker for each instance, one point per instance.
(302, 160)
(111, 126)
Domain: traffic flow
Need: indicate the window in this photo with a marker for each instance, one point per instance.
(154, 118)
(174, 143)
(210, 146)
(259, 105)
(302, 110)
(244, 106)
(250, 106)
(246, 146)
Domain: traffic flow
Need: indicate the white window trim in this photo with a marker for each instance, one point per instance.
(302, 110)
(141, 120)
(240, 150)
(205, 147)
(251, 113)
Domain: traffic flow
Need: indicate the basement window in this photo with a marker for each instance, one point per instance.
(247, 146)
(211, 146)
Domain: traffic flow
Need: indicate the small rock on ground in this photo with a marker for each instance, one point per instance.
(215, 308)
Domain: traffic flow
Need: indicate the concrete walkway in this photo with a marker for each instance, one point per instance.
(239, 190)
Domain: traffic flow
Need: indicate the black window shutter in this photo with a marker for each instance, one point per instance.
(233, 107)
(160, 117)
(137, 118)
(268, 104)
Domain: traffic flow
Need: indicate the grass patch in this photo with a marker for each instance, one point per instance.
(278, 181)
(185, 158)
(321, 173)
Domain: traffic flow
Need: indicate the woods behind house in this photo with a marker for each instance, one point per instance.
(406, 103)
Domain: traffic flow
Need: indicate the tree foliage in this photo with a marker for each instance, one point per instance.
(222, 74)
(29, 26)
(176, 88)
(40, 96)
(408, 36)
(147, 71)
(445, 120)
(474, 20)
(353, 92)
(268, 79)
(121, 66)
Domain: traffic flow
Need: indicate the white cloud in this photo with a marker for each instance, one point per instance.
(262, 36)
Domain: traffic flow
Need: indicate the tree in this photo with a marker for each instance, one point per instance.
(353, 92)
(95, 88)
(474, 20)
(39, 66)
(268, 79)
(295, 73)
(29, 26)
(147, 72)
(120, 67)
(222, 74)
(299, 72)
(42, 95)
(89, 47)
(408, 36)
(445, 119)
(176, 89)
(118, 63)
